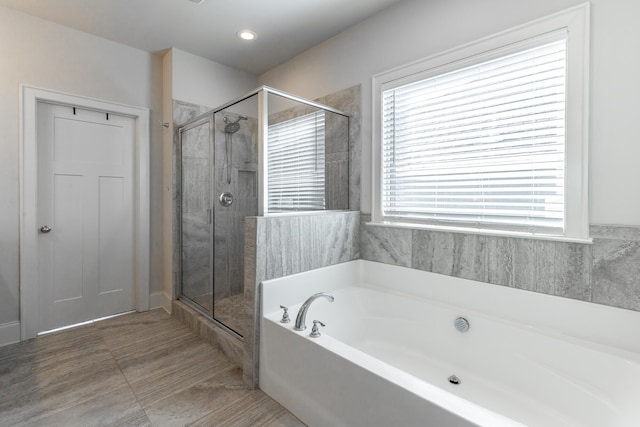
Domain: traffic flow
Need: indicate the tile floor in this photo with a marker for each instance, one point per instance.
(142, 369)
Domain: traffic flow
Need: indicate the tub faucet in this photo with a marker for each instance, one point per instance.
(302, 313)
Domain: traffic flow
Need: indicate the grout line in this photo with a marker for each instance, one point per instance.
(115, 360)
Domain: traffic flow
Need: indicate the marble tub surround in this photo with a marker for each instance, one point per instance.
(605, 272)
(277, 246)
(616, 266)
(142, 369)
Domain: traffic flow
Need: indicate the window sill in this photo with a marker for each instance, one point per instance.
(481, 232)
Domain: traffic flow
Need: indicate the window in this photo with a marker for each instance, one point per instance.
(491, 141)
(483, 145)
(296, 165)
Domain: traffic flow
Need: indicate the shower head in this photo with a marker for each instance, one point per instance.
(233, 127)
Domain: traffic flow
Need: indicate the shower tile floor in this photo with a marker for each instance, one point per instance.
(142, 369)
(227, 310)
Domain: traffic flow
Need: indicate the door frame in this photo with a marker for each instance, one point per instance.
(29, 98)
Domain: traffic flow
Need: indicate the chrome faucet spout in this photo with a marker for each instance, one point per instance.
(302, 313)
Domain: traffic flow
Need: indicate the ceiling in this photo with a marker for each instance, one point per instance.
(285, 28)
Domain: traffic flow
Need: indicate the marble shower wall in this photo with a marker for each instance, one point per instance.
(229, 221)
(182, 113)
(606, 272)
(277, 246)
(195, 199)
(349, 101)
(336, 149)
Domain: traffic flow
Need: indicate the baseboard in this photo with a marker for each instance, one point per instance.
(9, 333)
(160, 299)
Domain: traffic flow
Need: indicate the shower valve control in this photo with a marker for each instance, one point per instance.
(226, 199)
(315, 331)
(285, 315)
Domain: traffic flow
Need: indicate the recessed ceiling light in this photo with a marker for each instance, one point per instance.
(247, 35)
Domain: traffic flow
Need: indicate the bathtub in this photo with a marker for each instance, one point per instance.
(390, 348)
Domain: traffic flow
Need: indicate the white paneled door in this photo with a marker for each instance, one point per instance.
(86, 212)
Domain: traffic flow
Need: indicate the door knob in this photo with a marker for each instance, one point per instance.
(45, 229)
(226, 199)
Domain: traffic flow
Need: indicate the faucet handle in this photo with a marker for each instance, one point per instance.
(315, 331)
(285, 315)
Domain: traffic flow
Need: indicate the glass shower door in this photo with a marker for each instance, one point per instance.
(236, 197)
(196, 158)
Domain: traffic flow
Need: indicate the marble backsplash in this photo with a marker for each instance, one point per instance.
(605, 272)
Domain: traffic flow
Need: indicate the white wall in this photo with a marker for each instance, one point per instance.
(203, 82)
(412, 30)
(47, 55)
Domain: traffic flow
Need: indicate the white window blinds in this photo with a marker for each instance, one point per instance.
(296, 164)
(483, 146)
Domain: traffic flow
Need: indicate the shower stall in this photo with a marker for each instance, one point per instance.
(266, 153)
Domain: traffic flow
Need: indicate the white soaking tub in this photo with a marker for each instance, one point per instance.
(390, 347)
